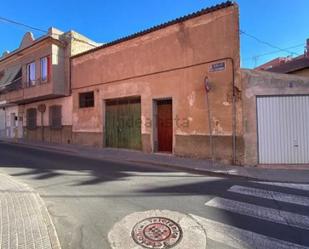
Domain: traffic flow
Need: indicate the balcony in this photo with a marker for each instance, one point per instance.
(15, 90)
(16, 94)
(13, 86)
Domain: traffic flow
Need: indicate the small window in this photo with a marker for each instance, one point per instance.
(31, 118)
(55, 117)
(45, 69)
(86, 99)
(31, 74)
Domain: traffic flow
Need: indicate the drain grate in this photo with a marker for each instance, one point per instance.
(157, 233)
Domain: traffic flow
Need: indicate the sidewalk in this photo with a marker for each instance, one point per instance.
(24, 219)
(186, 164)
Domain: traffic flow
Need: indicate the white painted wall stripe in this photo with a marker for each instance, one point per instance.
(269, 214)
(272, 195)
(242, 239)
(299, 186)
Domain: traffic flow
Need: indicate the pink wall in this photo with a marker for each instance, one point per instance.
(171, 62)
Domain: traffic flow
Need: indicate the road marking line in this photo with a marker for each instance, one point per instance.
(272, 195)
(242, 239)
(269, 214)
(297, 186)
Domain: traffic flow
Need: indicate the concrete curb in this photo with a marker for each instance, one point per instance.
(39, 147)
(273, 175)
(192, 170)
(130, 161)
(55, 243)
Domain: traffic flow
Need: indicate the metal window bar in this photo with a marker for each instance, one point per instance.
(31, 118)
(55, 117)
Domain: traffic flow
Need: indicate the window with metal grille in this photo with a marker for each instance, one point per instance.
(31, 118)
(86, 99)
(55, 117)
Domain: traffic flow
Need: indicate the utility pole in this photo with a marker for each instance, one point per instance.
(42, 109)
(207, 89)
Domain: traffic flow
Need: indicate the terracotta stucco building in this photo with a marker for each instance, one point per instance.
(157, 79)
(147, 91)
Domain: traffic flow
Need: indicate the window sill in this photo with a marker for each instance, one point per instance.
(55, 128)
(37, 83)
(44, 82)
(29, 86)
(86, 107)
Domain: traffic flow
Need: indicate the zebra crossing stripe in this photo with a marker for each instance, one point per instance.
(242, 239)
(272, 195)
(269, 214)
(297, 186)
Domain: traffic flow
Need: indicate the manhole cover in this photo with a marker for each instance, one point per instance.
(157, 232)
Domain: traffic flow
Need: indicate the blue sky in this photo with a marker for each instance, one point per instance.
(282, 23)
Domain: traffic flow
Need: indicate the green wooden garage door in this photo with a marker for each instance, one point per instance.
(123, 123)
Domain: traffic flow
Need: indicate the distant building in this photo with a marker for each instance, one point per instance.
(288, 65)
(35, 96)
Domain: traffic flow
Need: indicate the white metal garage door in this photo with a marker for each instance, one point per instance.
(283, 129)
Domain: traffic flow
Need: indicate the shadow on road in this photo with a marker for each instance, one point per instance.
(42, 165)
(46, 164)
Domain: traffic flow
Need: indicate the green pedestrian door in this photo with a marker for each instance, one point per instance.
(123, 123)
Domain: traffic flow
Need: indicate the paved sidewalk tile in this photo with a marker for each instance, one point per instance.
(24, 220)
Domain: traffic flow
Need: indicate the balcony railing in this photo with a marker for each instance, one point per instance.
(18, 84)
(13, 86)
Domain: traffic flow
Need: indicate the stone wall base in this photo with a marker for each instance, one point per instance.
(50, 135)
(94, 139)
(194, 146)
(198, 146)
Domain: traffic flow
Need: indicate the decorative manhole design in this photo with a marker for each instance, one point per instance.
(157, 233)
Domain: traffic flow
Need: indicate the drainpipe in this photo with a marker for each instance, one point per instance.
(42, 109)
(233, 107)
(234, 116)
(5, 129)
(42, 126)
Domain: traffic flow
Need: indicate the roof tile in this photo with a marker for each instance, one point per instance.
(160, 26)
(291, 66)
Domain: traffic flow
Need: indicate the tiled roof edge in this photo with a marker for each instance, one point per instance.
(161, 26)
(291, 66)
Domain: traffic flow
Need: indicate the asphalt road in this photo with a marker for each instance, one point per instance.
(86, 197)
